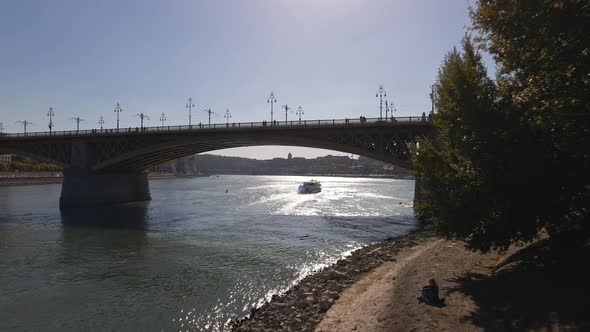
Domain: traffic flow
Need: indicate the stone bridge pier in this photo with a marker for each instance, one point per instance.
(82, 188)
(85, 187)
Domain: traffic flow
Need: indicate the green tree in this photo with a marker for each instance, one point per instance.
(543, 53)
(512, 157)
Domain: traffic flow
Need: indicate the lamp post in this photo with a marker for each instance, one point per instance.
(209, 111)
(287, 109)
(1, 127)
(78, 120)
(163, 118)
(381, 93)
(50, 114)
(432, 98)
(386, 110)
(271, 100)
(101, 122)
(142, 116)
(300, 113)
(118, 110)
(190, 106)
(25, 124)
(227, 116)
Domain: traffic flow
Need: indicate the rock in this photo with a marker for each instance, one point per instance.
(323, 307)
(301, 304)
(335, 275)
(333, 295)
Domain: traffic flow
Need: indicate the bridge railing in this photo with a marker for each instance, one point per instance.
(392, 121)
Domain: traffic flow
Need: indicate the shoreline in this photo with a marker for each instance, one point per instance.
(39, 178)
(529, 286)
(303, 307)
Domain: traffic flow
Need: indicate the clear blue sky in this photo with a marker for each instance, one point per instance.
(329, 56)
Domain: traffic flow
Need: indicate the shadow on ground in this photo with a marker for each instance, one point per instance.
(534, 288)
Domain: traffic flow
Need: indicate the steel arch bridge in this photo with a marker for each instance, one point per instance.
(107, 166)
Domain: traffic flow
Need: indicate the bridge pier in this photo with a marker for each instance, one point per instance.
(86, 189)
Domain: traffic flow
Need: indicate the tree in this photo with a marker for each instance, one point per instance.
(543, 52)
(512, 156)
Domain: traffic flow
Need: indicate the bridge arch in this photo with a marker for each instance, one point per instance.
(143, 158)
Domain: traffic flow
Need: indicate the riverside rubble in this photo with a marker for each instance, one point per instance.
(302, 307)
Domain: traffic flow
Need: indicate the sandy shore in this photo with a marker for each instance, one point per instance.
(385, 299)
(532, 288)
(304, 306)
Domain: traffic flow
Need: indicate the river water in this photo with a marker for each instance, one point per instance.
(191, 259)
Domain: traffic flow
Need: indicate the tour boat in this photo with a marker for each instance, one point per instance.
(310, 187)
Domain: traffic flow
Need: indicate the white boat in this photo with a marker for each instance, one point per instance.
(310, 187)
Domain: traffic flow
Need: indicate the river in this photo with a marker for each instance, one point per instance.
(191, 259)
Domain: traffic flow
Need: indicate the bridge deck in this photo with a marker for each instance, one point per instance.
(303, 124)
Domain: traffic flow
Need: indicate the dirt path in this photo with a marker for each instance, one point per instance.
(385, 299)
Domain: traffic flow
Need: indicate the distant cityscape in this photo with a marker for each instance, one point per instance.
(205, 164)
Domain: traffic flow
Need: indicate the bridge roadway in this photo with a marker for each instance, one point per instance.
(108, 166)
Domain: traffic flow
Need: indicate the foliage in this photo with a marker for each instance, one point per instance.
(512, 156)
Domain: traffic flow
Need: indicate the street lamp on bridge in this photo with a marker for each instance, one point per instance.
(25, 124)
(1, 127)
(287, 109)
(118, 110)
(190, 106)
(209, 112)
(50, 114)
(380, 94)
(432, 98)
(271, 100)
(101, 122)
(300, 113)
(227, 116)
(78, 120)
(142, 116)
(387, 110)
(163, 118)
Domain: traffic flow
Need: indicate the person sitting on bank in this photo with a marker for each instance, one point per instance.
(429, 294)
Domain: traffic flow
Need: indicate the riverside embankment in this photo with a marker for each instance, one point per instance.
(32, 178)
(304, 306)
(27, 178)
(535, 287)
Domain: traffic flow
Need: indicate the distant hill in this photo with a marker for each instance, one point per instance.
(328, 165)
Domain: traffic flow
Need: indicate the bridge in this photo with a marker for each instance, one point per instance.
(107, 166)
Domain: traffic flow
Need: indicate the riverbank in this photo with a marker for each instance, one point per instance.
(534, 287)
(35, 178)
(303, 307)
(29, 178)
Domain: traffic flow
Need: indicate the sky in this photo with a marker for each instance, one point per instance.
(327, 56)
